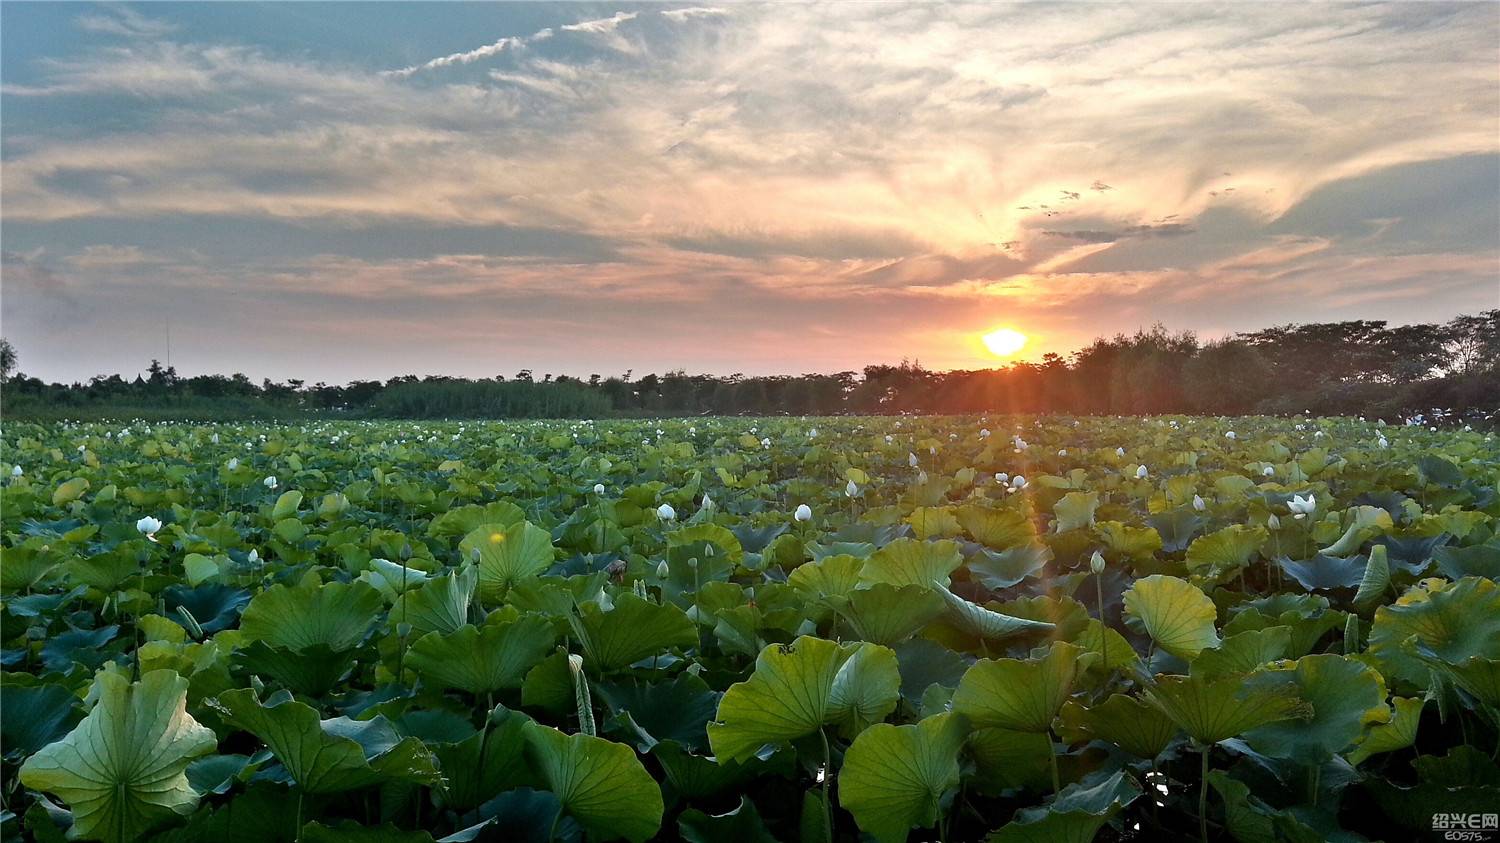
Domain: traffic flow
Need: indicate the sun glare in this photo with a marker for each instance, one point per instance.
(1004, 342)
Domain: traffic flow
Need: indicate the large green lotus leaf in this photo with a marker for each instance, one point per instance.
(1176, 527)
(988, 623)
(1098, 638)
(912, 562)
(1016, 694)
(507, 555)
(1225, 550)
(485, 659)
(295, 618)
(696, 776)
(1455, 622)
(69, 491)
(785, 698)
(1399, 733)
(742, 825)
(1247, 818)
(312, 671)
(1365, 522)
(1178, 617)
(1243, 652)
(1477, 675)
(727, 543)
(894, 777)
(1376, 578)
(35, 716)
(1002, 569)
(997, 529)
(678, 709)
(83, 646)
(1347, 696)
(328, 756)
(1132, 725)
(631, 631)
(465, 519)
(1213, 710)
(556, 596)
(1075, 511)
(924, 663)
(122, 769)
(440, 605)
(601, 784)
(865, 689)
(105, 571)
(470, 779)
(933, 522)
(829, 577)
(1438, 471)
(1324, 572)
(1480, 560)
(286, 505)
(1005, 759)
(1075, 816)
(1125, 541)
(887, 614)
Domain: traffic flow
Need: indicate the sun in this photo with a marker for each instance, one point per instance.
(1004, 342)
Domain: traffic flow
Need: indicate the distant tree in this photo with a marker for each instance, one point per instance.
(1227, 377)
(7, 359)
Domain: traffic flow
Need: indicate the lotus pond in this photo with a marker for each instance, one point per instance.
(749, 630)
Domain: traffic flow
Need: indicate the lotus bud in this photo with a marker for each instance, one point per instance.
(850, 489)
(803, 513)
(1096, 563)
(1140, 472)
(1062, 452)
(1120, 452)
(1198, 503)
(403, 629)
(214, 439)
(911, 459)
(233, 463)
(1229, 434)
(639, 588)
(253, 556)
(662, 570)
(708, 502)
(598, 488)
(666, 513)
(1273, 522)
(16, 471)
(606, 603)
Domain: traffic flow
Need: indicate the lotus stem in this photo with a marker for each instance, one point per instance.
(1052, 755)
(827, 777)
(1103, 627)
(1203, 796)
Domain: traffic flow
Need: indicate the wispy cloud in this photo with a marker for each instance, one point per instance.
(125, 22)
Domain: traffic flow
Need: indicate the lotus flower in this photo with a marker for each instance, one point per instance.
(1229, 434)
(1141, 472)
(270, 482)
(1062, 452)
(850, 489)
(598, 488)
(233, 463)
(984, 433)
(666, 513)
(803, 513)
(148, 526)
(16, 471)
(911, 459)
(1017, 483)
(1120, 452)
(1198, 503)
(1001, 477)
(1302, 507)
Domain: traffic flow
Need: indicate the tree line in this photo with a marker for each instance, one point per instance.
(1333, 368)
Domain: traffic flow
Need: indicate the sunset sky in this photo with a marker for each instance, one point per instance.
(348, 191)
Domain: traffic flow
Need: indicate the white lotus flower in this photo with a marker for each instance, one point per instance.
(1062, 452)
(214, 439)
(708, 502)
(984, 433)
(1120, 452)
(148, 526)
(803, 513)
(1198, 503)
(1140, 472)
(1268, 471)
(921, 477)
(1017, 483)
(1001, 477)
(850, 490)
(16, 471)
(1229, 434)
(598, 488)
(270, 482)
(1302, 507)
(911, 459)
(233, 463)
(666, 513)
(254, 555)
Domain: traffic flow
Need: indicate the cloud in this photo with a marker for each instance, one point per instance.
(124, 22)
(468, 56)
(691, 12)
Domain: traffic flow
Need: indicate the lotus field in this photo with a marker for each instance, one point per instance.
(830, 629)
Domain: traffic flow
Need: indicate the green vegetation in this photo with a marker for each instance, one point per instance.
(1000, 628)
(1345, 368)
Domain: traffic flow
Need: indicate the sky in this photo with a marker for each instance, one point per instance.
(342, 191)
